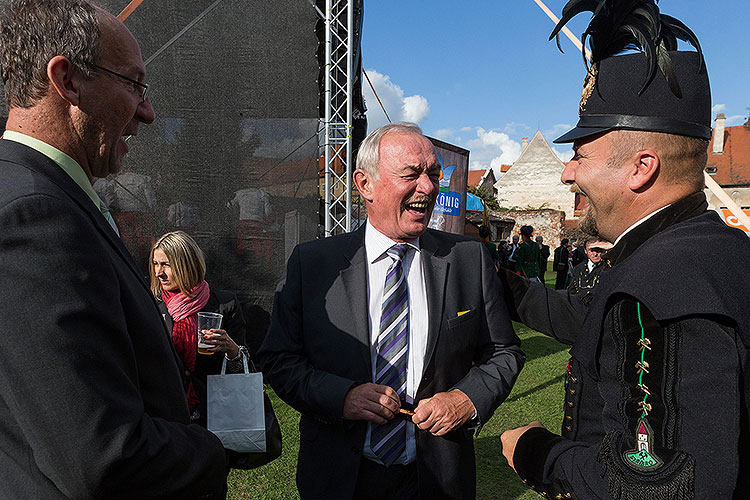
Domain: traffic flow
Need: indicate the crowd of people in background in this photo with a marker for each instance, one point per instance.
(572, 262)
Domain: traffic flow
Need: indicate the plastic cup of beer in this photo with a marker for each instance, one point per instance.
(207, 321)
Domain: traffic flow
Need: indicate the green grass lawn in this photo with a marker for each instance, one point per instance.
(537, 395)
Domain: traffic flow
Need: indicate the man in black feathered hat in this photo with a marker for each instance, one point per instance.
(657, 394)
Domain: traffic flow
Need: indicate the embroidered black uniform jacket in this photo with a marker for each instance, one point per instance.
(657, 399)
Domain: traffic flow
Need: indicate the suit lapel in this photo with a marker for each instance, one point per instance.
(41, 164)
(354, 279)
(435, 274)
(35, 161)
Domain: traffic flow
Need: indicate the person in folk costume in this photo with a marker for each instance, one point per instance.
(658, 400)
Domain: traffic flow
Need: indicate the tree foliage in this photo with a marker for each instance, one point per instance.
(486, 195)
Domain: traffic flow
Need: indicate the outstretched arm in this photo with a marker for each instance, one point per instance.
(690, 396)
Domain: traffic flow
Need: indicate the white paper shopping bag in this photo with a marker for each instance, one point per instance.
(235, 409)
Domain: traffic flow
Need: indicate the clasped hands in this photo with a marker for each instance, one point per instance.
(440, 414)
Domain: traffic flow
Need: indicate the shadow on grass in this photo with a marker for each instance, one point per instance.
(539, 346)
(496, 480)
(534, 389)
(276, 480)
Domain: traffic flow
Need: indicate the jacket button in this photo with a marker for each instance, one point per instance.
(570, 403)
(572, 392)
(568, 428)
(187, 373)
(574, 380)
(568, 417)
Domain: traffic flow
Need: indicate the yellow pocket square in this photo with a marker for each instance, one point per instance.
(461, 313)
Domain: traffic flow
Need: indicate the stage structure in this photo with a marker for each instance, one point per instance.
(337, 120)
(342, 109)
(232, 158)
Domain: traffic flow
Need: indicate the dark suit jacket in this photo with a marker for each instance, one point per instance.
(91, 398)
(318, 347)
(560, 262)
(544, 250)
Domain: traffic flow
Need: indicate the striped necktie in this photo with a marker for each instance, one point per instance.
(389, 439)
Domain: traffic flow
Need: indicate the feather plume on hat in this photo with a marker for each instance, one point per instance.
(620, 25)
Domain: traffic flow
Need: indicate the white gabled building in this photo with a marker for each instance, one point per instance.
(533, 181)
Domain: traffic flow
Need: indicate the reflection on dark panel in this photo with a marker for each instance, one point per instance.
(232, 156)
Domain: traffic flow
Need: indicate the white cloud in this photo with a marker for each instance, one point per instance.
(413, 108)
(736, 120)
(556, 131)
(490, 149)
(443, 134)
(732, 120)
(517, 128)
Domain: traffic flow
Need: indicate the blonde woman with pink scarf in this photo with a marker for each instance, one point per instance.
(177, 281)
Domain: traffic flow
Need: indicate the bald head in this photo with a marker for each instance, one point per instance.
(119, 50)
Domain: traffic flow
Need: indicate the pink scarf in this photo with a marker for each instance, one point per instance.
(184, 312)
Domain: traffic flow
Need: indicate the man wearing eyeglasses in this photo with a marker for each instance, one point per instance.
(91, 395)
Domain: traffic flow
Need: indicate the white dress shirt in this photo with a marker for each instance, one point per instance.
(590, 265)
(378, 262)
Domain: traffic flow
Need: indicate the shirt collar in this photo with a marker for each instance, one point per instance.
(681, 210)
(65, 162)
(638, 223)
(376, 243)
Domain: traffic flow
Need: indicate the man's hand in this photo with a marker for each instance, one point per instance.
(443, 412)
(509, 439)
(372, 402)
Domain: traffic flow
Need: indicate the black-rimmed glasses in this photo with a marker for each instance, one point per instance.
(144, 86)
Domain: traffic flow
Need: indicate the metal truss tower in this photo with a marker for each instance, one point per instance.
(337, 122)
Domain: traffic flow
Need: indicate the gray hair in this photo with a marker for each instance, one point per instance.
(368, 156)
(34, 31)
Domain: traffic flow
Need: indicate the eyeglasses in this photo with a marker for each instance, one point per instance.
(144, 86)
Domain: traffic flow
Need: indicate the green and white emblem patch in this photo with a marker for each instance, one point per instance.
(643, 458)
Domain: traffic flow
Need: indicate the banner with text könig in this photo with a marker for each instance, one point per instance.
(450, 206)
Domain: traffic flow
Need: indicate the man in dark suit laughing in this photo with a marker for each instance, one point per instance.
(392, 341)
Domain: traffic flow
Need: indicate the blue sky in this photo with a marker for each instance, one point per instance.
(481, 73)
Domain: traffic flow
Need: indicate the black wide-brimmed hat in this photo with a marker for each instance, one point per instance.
(657, 89)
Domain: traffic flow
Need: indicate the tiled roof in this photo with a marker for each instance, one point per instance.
(474, 177)
(733, 165)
